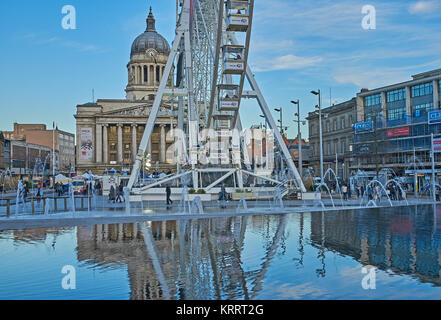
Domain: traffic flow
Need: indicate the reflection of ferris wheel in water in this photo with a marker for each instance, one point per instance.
(210, 52)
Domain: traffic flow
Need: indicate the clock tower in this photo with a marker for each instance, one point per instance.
(148, 58)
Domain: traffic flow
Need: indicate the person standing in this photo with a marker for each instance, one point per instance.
(112, 194)
(345, 192)
(168, 194)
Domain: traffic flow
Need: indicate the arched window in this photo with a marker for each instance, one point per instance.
(146, 72)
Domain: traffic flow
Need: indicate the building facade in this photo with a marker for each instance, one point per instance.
(37, 134)
(337, 121)
(393, 128)
(109, 131)
(28, 158)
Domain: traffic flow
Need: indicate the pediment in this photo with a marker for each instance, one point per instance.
(136, 111)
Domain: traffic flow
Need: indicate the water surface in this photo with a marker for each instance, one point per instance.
(296, 256)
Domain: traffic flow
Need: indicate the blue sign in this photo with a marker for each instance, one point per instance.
(364, 126)
(434, 117)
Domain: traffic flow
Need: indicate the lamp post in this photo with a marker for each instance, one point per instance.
(281, 119)
(319, 107)
(299, 135)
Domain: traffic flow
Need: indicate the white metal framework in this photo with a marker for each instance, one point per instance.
(210, 51)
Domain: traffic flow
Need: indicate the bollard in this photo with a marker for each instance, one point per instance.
(55, 204)
(44, 204)
(8, 208)
(32, 201)
(90, 202)
(82, 203)
(65, 204)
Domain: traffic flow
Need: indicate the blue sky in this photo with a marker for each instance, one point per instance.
(296, 46)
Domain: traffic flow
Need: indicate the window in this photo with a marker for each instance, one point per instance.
(396, 95)
(157, 74)
(146, 78)
(334, 125)
(372, 100)
(422, 89)
(396, 114)
(343, 123)
(422, 109)
(343, 146)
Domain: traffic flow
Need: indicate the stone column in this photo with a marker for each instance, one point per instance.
(120, 146)
(105, 145)
(163, 146)
(99, 143)
(134, 142)
(435, 95)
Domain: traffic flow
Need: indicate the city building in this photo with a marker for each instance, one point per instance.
(394, 126)
(28, 158)
(109, 131)
(337, 121)
(37, 134)
(293, 147)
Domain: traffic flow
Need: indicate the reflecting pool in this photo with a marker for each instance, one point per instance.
(320, 255)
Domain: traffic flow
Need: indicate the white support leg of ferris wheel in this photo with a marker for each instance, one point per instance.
(182, 33)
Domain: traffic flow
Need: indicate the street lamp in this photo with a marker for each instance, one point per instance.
(319, 107)
(281, 119)
(299, 136)
(262, 116)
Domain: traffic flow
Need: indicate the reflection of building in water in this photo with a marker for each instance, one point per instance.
(404, 242)
(36, 235)
(198, 259)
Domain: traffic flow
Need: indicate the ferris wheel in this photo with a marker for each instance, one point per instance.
(209, 57)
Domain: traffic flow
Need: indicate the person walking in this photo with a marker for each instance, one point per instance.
(223, 195)
(119, 193)
(168, 194)
(112, 194)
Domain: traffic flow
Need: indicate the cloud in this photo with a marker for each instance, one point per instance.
(79, 46)
(288, 62)
(423, 7)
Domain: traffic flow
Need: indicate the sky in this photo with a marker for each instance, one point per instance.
(296, 46)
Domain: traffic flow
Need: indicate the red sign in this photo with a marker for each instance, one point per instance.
(398, 132)
(436, 145)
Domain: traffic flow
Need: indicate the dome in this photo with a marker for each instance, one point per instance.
(150, 39)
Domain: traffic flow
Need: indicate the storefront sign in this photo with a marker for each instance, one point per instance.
(362, 127)
(434, 117)
(436, 143)
(398, 132)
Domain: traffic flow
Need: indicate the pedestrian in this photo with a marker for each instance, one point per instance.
(168, 194)
(118, 194)
(112, 194)
(345, 192)
(223, 195)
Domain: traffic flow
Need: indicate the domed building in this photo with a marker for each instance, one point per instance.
(109, 131)
(148, 58)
